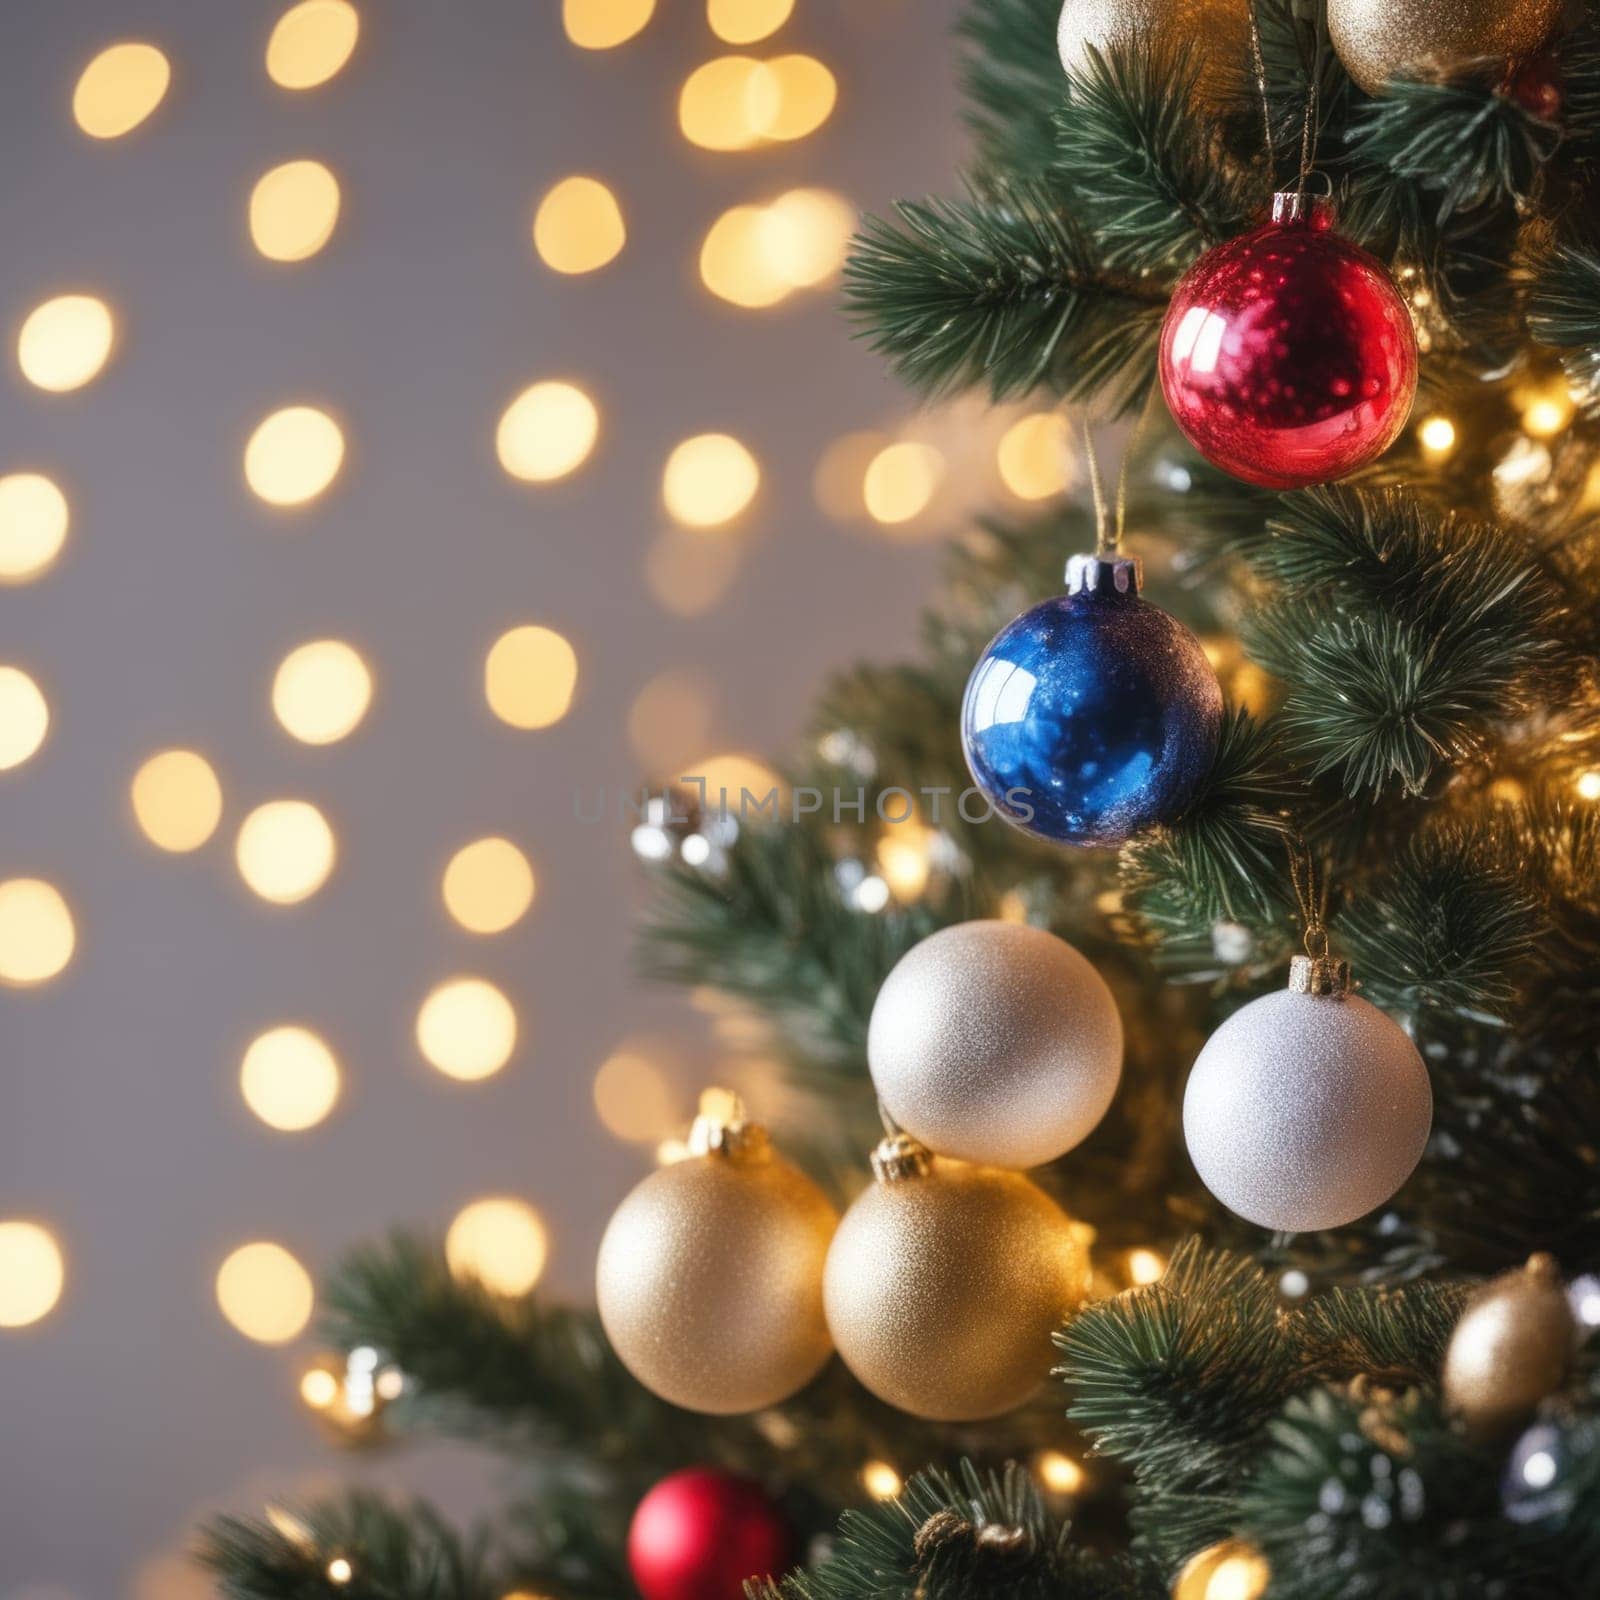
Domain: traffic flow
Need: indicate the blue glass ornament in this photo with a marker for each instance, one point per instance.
(1094, 715)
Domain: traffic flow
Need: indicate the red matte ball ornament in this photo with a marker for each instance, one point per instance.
(699, 1534)
(1287, 354)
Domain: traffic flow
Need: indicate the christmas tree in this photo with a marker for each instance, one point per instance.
(1239, 1174)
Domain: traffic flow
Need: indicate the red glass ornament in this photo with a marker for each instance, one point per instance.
(1287, 354)
(699, 1534)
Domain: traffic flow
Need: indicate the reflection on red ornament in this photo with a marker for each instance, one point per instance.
(699, 1534)
(1538, 87)
(1287, 355)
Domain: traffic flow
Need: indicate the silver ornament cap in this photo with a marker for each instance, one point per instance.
(997, 1043)
(1307, 1108)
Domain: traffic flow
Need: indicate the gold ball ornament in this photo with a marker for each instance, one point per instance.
(1511, 1348)
(710, 1274)
(1214, 33)
(945, 1282)
(1382, 39)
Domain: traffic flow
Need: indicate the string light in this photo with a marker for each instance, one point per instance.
(1034, 456)
(321, 691)
(1588, 785)
(33, 525)
(708, 480)
(319, 1388)
(806, 95)
(32, 1273)
(264, 1292)
(737, 263)
(289, 1078)
(1145, 1266)
(293, 455)
(285, 851)
(604, 24)
(500, 1242)
(488, 885)
(804, 235)
(634, 1097)
(1058, 1472)
(1547, 411)
(24, 717)
(881, 1481)
(745, 21)
(177, 800)
(65, 342)
(119, 89)
(729, 103)
(905, 858)
(671, 717)
(1437, 436)
(900, 482)
(311, 42)
(547, 432)
(689, 574)
(340, 1571)
(530, 676)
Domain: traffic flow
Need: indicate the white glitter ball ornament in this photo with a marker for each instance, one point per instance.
(997, 1043)
(1307, 1108)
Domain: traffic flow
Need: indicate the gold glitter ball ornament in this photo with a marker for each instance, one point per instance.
(710, 1274)
(1511, 1348)
(945, 1282)
(1214, 33)
(1382, 39)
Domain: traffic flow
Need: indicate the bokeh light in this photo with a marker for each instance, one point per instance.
(604, 24)
(729, 103)
(65, 342)
(119, 89)
(634, 1098)
(737, 263)
(547, 432)
(745, 21)
(578, 226)
(33, 525)
(24, 717)
(500, 1241)
(730, 773)
(293, 455)
(285, 850)
(264, 1292)
(310, 43)
(37, 937)
(467, 1029)
(1034, 456)
(1145, 1266)
(321, 691)
(841, 473)
(709, 480)
(289, 1078)
(805, 234)
(1058, 1472)
(32, 1273)
(177, 800)
(293, 209)
(530, 676)
(689, 574)
(488, 885)
(807, 94)
(319, 1388)
(671, 718)
(1437, 435)
(901, 481)
(880, 1480)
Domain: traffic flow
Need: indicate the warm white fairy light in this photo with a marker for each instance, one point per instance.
(1588, 785)
(1058, 1472)
(881, 1481)
(1437, 435)
(1145, 1266)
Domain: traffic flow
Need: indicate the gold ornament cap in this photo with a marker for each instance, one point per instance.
(1104, 573)
(1299, 209)
(723, 1129)
(1322, 975)
(898, 1157)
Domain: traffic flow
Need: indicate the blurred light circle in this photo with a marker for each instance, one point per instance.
(289, 1078)
(488, 885)
(805, 234)
(264, 1292)
(293, 455)
(806, 95)
(500, 1241)
(901, 481)
(745, 21)
(840, 478)
(311, 41)
(467, 1029)
(177, 800)
(634, 1098)
(671, 718)
(547, 432)
(321, 691)
(530, 676)
(293, 209)
(708, 480)
(604, 24)
(37, 937)
(285, 851)
(1034, 456)
(32, 1273)
(120, 88)
(33, 525)
(737, 262)
(729, 103)
(65, 342)
(578, 226)
(24, 717)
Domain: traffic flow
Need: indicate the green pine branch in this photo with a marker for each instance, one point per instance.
(1012, 79)
(1563, 312)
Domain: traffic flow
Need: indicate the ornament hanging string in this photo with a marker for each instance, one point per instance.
(1109, 528)
(1309, 132)
(1260, 63)
(1311, 894)
(1104, 544)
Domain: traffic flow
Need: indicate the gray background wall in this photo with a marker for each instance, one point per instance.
(134, 1407)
